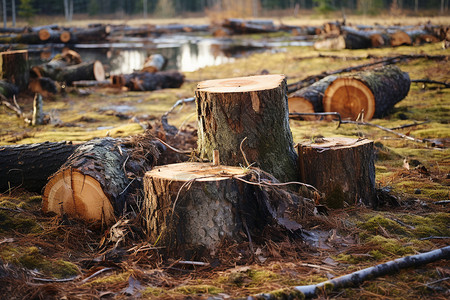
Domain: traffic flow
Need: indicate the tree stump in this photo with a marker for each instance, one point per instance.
(372, 93)
(94, 182)
(309, 99)
(253, 108)
(14, 68)
(342, 168)
(190, 206)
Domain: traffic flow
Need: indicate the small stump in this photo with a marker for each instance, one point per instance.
(342, 168)
(193, 206)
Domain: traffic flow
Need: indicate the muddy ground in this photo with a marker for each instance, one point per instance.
(46, 257)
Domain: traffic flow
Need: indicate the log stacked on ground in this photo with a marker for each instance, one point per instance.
(252, 108)
(145, 81)
(342, 168)
(371, 93)
(94, 182)
(28, 166)
(14, 68)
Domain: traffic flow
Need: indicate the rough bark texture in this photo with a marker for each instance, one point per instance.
(145, 81)
(309, 99)
(63, 71)
(342, 168)
(94, 182)
(346, 40)
(254, 108)
(190, 206)
(373, 92)
(14, 68)
(29, 166)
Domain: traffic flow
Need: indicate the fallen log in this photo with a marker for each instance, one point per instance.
(154, 63)
(61, 71)
(43, 85)
(94, 182)
(356, 278)
(7, 89)
(89, 35)
(309, 99)
(240, 26)
(145, 81)
(369, 94)
(347, 40)
(14, 68)
(247, 108)
(28, 166)
(21, 38)
(342, 168)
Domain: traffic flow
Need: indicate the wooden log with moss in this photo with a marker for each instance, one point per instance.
(28, 166)
(252, 111)
(369, 94)
(14, 68)
(145, 81)
(94, 182)
(309, 99)
(342, 168)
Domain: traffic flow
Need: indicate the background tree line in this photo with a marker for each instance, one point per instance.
(168, 8)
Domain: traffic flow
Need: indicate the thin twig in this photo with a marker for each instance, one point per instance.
(56, 279)
(243, 153)
(95, 274)
(446, 85)
(179, 102)
(410, 125)
(385, 129)
(173, 148)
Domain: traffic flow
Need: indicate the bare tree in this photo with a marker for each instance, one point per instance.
(68, 10)
(13, 12)
(4, 13)
(145, 8)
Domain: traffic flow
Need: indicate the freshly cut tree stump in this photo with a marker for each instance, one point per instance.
(189, 206)
(309, 99)
(28, 166)
(342, 168)
(14, 68)
(371, 93)
(94, 182)
(252, 108)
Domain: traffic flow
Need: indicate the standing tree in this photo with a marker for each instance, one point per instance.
(165, 8)
(26, 9)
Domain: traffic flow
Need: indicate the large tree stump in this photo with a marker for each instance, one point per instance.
(28, 166)
(189, 206)
(342, 168)
(94, 182)
(371, 93)
(252, 108)
(309, 99)
(14, 68)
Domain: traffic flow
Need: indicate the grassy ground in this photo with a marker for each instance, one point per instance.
(34, 245)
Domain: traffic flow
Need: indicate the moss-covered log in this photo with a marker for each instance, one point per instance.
(342, 168)
(253, 108)
(28, 166)
(14, 68)
(94, 182)
(309, 99)
(369, 94)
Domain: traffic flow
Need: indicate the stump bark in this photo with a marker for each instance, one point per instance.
(252, 108)
(309, 99)
(189, 206)
(373, 93)
(342, 168)
(14, 68)
(94, 182)
(28, 166)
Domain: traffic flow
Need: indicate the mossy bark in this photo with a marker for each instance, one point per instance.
(260, 116)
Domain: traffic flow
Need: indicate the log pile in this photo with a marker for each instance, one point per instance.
(367, 94)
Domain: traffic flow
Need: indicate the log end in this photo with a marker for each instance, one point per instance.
(71, 193)
(44, 34)
(301, 105)
(65, 36)
(99, 71)
(350, 97)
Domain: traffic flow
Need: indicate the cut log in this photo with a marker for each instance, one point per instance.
(8, 89)
(371, 93)
(146, 81)
(93, 184)
(342, 168)
(240, 26)
(14, 68)
(191, 205)
(309, 99)
(154, 63)
(43, 85)
(29, 166)
(60, 70)
(400, 38)
(89, 35)
(253, 108)
(347, 40)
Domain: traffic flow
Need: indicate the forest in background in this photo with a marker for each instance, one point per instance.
(27, 9)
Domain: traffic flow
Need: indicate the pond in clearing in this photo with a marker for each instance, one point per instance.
(184, 53)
